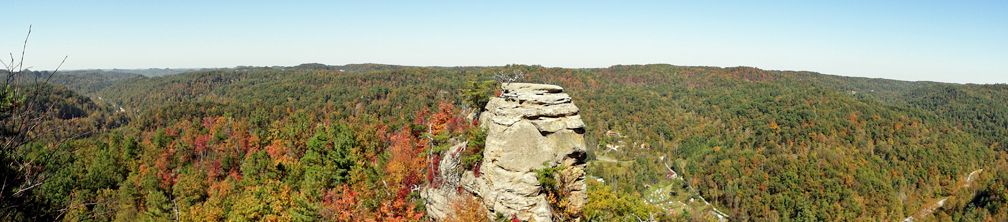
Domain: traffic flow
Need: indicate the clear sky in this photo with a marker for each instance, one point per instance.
(945, 41)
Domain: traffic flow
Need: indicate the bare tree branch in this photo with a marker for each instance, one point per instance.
(25, 118)
(504, 78)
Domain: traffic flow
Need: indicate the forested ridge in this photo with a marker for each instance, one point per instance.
(319, 142)
(83, 82)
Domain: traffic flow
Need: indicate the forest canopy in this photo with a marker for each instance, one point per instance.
(320, 142)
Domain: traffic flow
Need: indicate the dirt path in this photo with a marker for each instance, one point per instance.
(605, 159)
(926, 210)
(609, 160)
(971, 177)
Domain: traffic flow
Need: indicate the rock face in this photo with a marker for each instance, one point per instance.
(529, 126)
(440, 198)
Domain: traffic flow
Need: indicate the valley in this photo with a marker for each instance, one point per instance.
(674, 143)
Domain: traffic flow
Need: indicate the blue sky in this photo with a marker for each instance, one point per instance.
(948, 41)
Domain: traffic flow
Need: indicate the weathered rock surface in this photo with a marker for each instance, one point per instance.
(530, 126)
(439, 199)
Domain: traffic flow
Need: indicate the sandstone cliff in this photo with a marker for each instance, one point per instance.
(530, 127)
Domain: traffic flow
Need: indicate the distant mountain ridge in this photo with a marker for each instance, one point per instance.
(151, 72)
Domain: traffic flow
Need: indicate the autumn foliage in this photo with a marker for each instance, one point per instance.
(311, 143)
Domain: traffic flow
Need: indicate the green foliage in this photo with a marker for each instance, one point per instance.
(328, 160)
(40, 171)
(158, 208)
(473, 154)
(606, 203)
(557, 189)
(259, 167)
(762, 144)
(316, 143)
(548, 177)
(191, 188)
(477, 94)
(979, 110)
(86, 82)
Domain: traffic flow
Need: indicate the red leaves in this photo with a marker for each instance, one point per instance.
(398, 209)
(447, 119)
(476, 169)
(341, 204)
(402, 193)
(201, 144)
(276, 150)
(433, 175)
(412, 179)
(215, 169)
(209, 122)
(166, 169)
(402, 167)
(217, 145)
(171, 132)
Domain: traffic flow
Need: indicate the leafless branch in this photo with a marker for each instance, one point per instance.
(504, 78)
(26, 119)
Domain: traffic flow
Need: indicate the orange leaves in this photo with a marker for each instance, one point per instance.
(397, 210)
(467, 209)
(372, 136)
(166, 171)
(388, 166)
(773, 125)
(201, 144)
(853, 119)
(389, 195)
(446, 119)
(214, 169)
(277, 150)
(340, 205)
(405, 157)
(403, 175)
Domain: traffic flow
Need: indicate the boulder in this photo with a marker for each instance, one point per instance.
(529, 127)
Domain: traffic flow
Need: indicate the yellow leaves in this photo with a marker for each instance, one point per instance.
(398, 210)
(725, 163)
(606, 204)
(269, 201)
(773, 125)
(406, 158)
(853, 119)
(203, 212)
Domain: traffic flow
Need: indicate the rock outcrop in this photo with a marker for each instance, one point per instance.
(529, 127)
(440, 198)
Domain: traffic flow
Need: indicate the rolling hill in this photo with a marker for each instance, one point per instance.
(753, 144)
